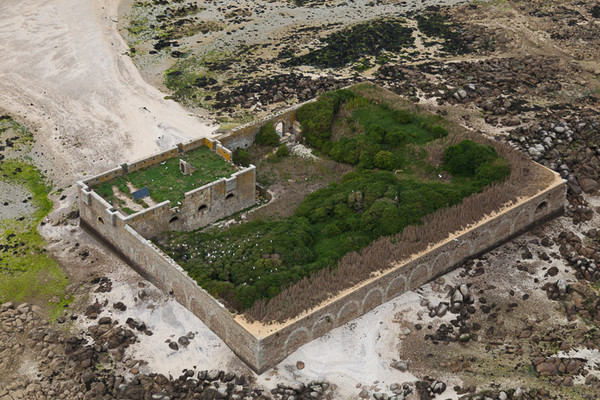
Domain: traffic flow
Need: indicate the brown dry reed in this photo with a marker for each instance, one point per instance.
(526, 179)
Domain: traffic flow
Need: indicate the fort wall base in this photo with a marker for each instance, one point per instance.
(263, 351)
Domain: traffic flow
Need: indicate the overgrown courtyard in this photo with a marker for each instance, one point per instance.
(404, 164)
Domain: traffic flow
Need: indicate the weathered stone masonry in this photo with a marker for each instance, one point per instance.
(128, 236)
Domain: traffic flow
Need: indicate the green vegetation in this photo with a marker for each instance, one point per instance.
(193, 80)
(165, 181)
(267, 136)
(352, 44)
(257, 259)
(386, 133)
(282, 151)
(241, 157)
(27, 272)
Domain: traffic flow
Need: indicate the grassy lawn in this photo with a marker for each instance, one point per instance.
(391, 186)
(27, 272)
(166, 182)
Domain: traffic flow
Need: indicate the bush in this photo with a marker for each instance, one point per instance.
(282, 151)
(464, 158)
(267, 136)
(316, 118)
(331, 230)
(439, 131)
(403, 117)
(495, 171)
(241, 157)
(376, 133)
(384, 160)
(394, 139)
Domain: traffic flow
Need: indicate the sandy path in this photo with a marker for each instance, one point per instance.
(64, 71)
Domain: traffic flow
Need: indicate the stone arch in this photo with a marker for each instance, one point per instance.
(542, 208)
(483, 239)
(323, 325)
(374, 298)
(101, 220)
(419, 276)
(440, 265)
(396, 287)
(296, 339)
(230, 196)
(202, 208)
(522, 220)
(174, 219)
(349, 311)
(463, 251)
(280, 128)
(180, 294)
(503, 230)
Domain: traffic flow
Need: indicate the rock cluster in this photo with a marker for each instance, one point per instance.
(275, 89)
(317, 389)
(397, 392)
(76, 367)
(429, 388)
(459, 329)
(557, 290)
(560, 369)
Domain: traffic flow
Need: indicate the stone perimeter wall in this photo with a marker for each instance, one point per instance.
(243, 136)
(111, 227)
(411, 275)
(263, 353)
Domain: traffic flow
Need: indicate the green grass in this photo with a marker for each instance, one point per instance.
(166, 182)
(27, 272)
(255, 260)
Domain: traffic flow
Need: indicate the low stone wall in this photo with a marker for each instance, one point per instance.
(199, 207)
(443, 258)
(154, 159)
(243, 136)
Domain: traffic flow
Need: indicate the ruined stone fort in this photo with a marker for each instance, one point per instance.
(264, 346)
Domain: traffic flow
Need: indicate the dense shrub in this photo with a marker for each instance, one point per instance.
(267, 136)
(464, 158)
(241, 157)
(316, 117)
(383, 136)
(282, 151)
(494, 171)
(384, 160)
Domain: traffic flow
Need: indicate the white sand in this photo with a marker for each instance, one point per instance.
(358, 352)
(64, 70)
(168, 320)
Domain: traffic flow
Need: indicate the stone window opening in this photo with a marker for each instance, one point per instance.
(173, 219)
(280, 128)
(100, 220)
(542, 207)
(229, 196)
(202, 208)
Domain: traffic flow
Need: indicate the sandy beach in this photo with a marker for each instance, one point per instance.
(65, 72)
